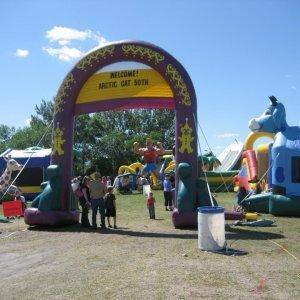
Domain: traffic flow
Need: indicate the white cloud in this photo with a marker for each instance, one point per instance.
(21, 53)
(101, 42)
(59, 33)
(293, 88)
(101, 39)
(64, 53)
(65, 36)
(227, 135)
(288, 76)
(64, 42)
(219, 147)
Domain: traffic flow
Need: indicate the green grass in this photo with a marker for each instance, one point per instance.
(147, 259)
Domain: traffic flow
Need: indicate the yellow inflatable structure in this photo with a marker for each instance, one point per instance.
(132, 169)
(137, 166)
(254, 136)
(154, 180)
(125, 169)
(170, 167)
(261, 156)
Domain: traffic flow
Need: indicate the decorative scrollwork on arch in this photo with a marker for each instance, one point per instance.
(95, 56)
(174, 75)
(63, 93)
(143, 52)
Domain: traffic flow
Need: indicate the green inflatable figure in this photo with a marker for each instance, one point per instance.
(49, 199)
(203, 197)
(185, 188)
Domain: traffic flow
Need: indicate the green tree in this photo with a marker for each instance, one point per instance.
(102, 141)
(44, 113)
(105, 140)
(31, 135)
(6, 134)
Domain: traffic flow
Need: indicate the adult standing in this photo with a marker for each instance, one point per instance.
(97, 192)
(168, 192)
(84, 201)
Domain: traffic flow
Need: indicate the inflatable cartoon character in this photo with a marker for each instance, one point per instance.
(150, 154)
(285, 159)
(285, 152)
(5, 179)
(49, 198)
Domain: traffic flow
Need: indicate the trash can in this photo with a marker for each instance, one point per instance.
(211, 228)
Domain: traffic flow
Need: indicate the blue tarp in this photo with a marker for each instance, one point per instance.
(38, 158)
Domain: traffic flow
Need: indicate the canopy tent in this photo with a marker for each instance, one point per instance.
(38, 159)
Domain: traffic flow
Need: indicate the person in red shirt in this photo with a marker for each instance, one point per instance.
(150, 205)
(150, 154)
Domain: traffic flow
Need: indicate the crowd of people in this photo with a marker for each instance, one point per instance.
(126, 183)
(97, 194)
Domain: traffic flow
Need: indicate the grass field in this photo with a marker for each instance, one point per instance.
(148, 259)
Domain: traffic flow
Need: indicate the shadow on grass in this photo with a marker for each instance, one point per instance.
(246, 234)
(71, 228)
(231, 252)
(231, 233)
(154, 234)
(118, 231)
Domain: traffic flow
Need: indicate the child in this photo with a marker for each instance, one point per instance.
(168, 192)
(150, 205)
(110, 204)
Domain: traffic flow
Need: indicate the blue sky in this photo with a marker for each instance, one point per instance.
(236, 52)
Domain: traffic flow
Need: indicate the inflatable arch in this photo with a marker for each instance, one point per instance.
(100, 81)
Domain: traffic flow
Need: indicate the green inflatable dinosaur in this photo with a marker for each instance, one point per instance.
(49, 199)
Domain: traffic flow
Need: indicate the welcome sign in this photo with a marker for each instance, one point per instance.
(116, 82)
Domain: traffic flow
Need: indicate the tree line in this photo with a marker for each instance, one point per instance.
(102, 141)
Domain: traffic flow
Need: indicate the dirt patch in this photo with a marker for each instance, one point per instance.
(146, 259)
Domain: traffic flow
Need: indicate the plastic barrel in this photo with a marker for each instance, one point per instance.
(211, 228)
